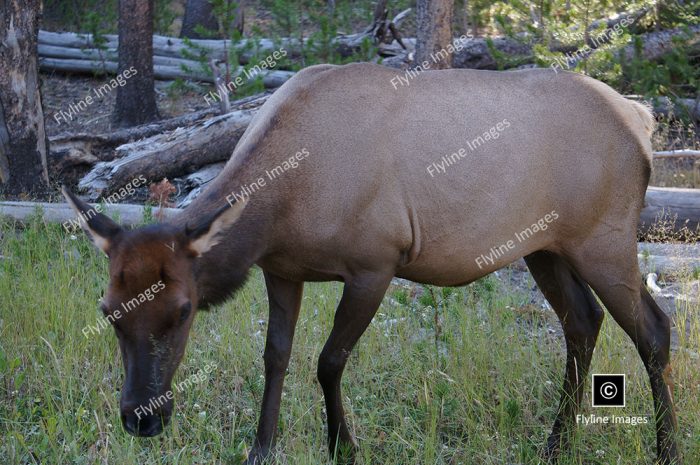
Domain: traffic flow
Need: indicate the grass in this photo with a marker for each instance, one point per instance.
(484, 390)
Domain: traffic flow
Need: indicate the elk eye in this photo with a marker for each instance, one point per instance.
(185, 310)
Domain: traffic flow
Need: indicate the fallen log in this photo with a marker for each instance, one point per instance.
(679, 107)
(476, 53)
(685, 153)
(110, 54)
(126, 214)
(170, 154)
(658, 43)
(82, 148)
(196, 182)
(670, 212)
(104, 67)
(270, 78)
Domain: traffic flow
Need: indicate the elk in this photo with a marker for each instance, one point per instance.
(362, 206)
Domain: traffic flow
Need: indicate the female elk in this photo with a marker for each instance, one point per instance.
(361, 208)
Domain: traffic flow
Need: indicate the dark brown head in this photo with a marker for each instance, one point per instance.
(150, 301)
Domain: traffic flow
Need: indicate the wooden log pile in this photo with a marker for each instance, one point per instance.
(172, 57)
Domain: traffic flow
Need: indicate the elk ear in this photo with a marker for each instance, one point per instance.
(207, 234)
(101, 230)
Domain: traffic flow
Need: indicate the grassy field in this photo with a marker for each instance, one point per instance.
(482, 389)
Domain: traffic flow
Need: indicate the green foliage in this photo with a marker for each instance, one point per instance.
(102, 15)
(84, 15)
(505, 61)
(163, 16)
(561, 24)
(674, 74)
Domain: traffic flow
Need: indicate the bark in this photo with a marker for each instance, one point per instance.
(136, 99)
(196, 182)
(171, 154)
(685, 153)
(199, 13)
(434, 33)
(271, 78)
(23, 141)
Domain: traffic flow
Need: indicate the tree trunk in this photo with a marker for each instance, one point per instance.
(433, 33)
(199, 13)
(23, 141)
(136, 99)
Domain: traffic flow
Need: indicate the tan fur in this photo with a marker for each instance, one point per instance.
(363, 195)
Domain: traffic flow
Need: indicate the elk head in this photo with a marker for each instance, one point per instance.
(150, 301)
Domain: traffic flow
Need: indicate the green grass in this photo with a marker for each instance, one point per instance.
(484, 391)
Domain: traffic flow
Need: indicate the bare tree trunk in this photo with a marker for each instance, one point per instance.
(136, 99)
(434, 33)
(199, 13)
(23, 141)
